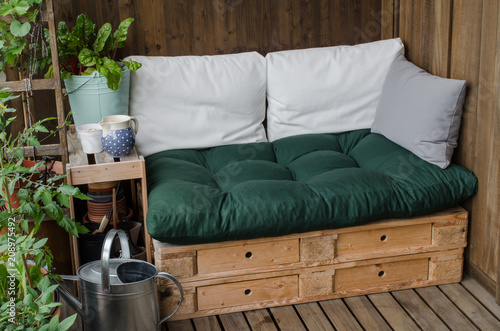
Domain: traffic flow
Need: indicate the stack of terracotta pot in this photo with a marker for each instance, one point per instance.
(102, 195)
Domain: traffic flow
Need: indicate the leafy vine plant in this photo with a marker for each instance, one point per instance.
(26, 296)
(84, 51)
(13, 31)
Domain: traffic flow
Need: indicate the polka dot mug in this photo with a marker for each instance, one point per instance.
(118, 137)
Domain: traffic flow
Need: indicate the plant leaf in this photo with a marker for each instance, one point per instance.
(32, 141)
(54, 211)
(68, 189)
(6, 9)
(81, 228)
(46, 197)
(43, 284)
(67, 323)
(54, 323)
(24, 225)
(40, 243)
(65, 75)
(112, 71)
(23, 194)
(32, 16)
(83, 30)
(30, 209)
(27, 299)
(102, 36)
(88, 58)
(132, 65)
(63, 200)
(69, 225)
(50, 72)
(40, 128)
(120, 35)
(20, 30)
(89, 71)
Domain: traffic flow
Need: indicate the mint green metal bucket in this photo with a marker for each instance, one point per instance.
(91, 99)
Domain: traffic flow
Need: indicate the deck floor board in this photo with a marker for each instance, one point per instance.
(392, 312)
(445, 308)
(313, 317)
(463, 306)
(421, 313)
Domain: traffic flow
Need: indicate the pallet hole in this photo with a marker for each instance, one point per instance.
(248, 255)
(383, 238)
(248, 292)
(381, 273)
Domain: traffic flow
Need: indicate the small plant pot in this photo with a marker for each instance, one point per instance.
(90, 137)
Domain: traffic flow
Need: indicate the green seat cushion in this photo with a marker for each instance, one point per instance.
(295, 184)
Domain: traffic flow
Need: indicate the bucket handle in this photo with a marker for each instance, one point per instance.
(179, 287)
(94, 74)
(106, 253)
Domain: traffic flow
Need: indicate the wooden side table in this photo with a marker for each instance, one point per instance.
(97, 168)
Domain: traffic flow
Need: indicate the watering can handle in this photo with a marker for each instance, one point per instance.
(179, 287)
(106, 252)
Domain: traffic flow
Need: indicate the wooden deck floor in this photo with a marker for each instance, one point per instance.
(464, 306)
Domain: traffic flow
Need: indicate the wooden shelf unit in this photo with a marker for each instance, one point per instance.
(105, 169)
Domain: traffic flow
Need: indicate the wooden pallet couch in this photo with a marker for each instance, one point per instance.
(348, 190)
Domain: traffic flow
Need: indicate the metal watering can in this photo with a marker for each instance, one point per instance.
(118, 294)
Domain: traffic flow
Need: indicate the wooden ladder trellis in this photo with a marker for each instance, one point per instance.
(54, 84)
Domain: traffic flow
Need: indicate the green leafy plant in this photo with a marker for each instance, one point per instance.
(83, 51)
(25, 293)
(13, 32)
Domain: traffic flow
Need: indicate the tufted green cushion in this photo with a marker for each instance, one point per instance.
(294, 184)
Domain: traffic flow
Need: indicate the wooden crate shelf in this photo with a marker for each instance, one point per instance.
(97, 168)
(382, 256)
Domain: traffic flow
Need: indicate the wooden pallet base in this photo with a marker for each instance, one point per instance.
(268, 272)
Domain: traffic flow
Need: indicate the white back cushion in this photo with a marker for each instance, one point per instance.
(326, 90)
(198, 101)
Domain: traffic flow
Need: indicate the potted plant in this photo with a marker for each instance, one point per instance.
(26, 296)
(97, 84)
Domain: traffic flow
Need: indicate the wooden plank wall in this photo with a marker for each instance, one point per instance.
(461, 39)
(206, 27)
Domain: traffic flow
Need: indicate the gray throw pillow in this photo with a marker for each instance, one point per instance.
(420, 112)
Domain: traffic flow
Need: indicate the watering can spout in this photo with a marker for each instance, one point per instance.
(72, 301)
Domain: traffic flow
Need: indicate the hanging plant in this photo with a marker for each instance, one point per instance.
(13, 30)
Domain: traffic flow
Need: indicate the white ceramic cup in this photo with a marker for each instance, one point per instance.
(90, 137)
